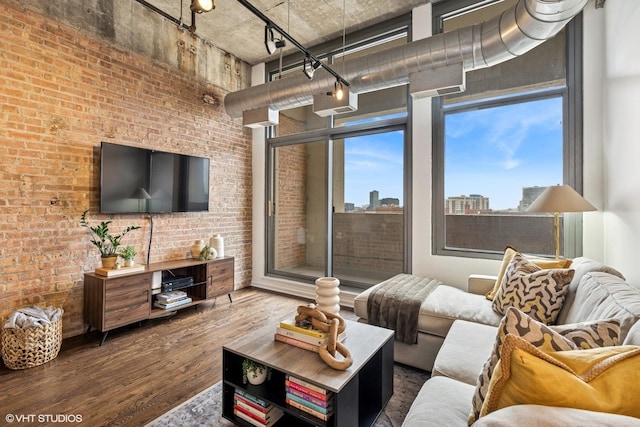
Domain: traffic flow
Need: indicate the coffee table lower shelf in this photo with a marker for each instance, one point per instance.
(365, 390)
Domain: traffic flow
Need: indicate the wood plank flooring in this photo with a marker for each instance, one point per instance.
(141, 371)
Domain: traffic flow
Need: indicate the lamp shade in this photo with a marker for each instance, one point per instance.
(560, 198)
(140, 193)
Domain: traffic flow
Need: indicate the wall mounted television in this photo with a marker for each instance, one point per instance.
(135, 180)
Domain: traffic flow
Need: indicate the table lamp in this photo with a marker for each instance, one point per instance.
(556, 199)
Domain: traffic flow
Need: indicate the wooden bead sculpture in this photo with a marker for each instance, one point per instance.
(334, 324)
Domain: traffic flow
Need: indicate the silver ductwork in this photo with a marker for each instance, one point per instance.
(509, 35)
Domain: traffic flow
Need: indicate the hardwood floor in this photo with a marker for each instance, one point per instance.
(141, 371)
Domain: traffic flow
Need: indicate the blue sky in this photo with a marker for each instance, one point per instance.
(496, 152)
(493, 152)
(373, 162)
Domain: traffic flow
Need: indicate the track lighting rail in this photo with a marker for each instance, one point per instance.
(308, 55)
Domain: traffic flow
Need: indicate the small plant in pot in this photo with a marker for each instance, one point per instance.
(108, 244)
(128, 253)
(254, 372)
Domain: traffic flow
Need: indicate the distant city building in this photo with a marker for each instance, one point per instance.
(349, 207)
(390, 201)
(464, 205)
(374, 200)
(529, 195)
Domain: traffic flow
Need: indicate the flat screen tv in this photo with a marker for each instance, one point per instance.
(134, 180)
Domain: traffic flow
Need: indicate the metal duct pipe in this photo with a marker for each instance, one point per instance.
(509, 35)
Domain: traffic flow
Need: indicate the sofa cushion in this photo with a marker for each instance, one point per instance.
(543, 263)
(455, 360)
(603, 296)
(545, 416)
(539, 293)
(440, 398)
(598, 379)
(447, 304)
(582, 266)
(564, 337)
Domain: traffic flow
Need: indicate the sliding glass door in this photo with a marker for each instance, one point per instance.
(337, 206)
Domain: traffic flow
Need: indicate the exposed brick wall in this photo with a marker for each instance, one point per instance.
(291, 203)
(61, 93)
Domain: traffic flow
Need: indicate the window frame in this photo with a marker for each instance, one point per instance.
(572, 141)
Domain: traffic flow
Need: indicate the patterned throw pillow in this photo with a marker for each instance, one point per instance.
(544, 263)
(601, 333)
(539, 293)
(598, 379)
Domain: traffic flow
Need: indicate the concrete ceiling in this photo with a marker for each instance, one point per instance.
(233, 28)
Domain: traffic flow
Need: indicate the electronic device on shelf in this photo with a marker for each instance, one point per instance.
(178, 282)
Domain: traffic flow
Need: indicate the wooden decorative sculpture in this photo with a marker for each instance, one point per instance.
(334, 324)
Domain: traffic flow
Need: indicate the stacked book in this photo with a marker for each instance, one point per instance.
(309, 398)
(302, 334)
(255, 410)
(171, 299)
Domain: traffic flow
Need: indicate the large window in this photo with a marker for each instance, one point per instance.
(498, 145)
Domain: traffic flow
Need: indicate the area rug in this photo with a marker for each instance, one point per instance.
(204, 409)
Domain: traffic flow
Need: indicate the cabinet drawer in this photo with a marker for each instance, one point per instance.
(220, 278)
(127, 300)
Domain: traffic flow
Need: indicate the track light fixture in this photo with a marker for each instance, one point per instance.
(270, 42)
(338, 90)
(199, 6)
(271, 27)
(310, 66)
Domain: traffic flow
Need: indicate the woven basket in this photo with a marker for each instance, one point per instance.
(29, 347)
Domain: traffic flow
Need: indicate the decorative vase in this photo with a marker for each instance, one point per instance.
(196, 248)
(217, 243)
(257, 378)
(129, 262)
(109, 261)
(328, 294)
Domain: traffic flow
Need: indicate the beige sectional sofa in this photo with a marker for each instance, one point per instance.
(457, 332)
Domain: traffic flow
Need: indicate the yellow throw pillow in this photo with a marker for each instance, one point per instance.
(605, 379)
(543, 263)
(509, 252)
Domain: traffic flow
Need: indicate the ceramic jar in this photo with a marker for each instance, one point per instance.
(196, 248)
(217, 243)
(328, 294)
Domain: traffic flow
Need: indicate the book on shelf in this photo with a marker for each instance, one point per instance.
(303, 327)
(306, 396)
(255, 399)
(248, 418)
(308, 404)
(306, 337)
(171, 296)
(265, 418)
(318, 395)
(110, 272)
(241, 401)
(172, 304)
(307, 385)
(293, 403)
(246, 406)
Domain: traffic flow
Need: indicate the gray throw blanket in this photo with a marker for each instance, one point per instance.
(395, 304)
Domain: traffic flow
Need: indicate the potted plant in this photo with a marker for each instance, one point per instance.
(128, 254)
(108, 244)
(254, 372)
